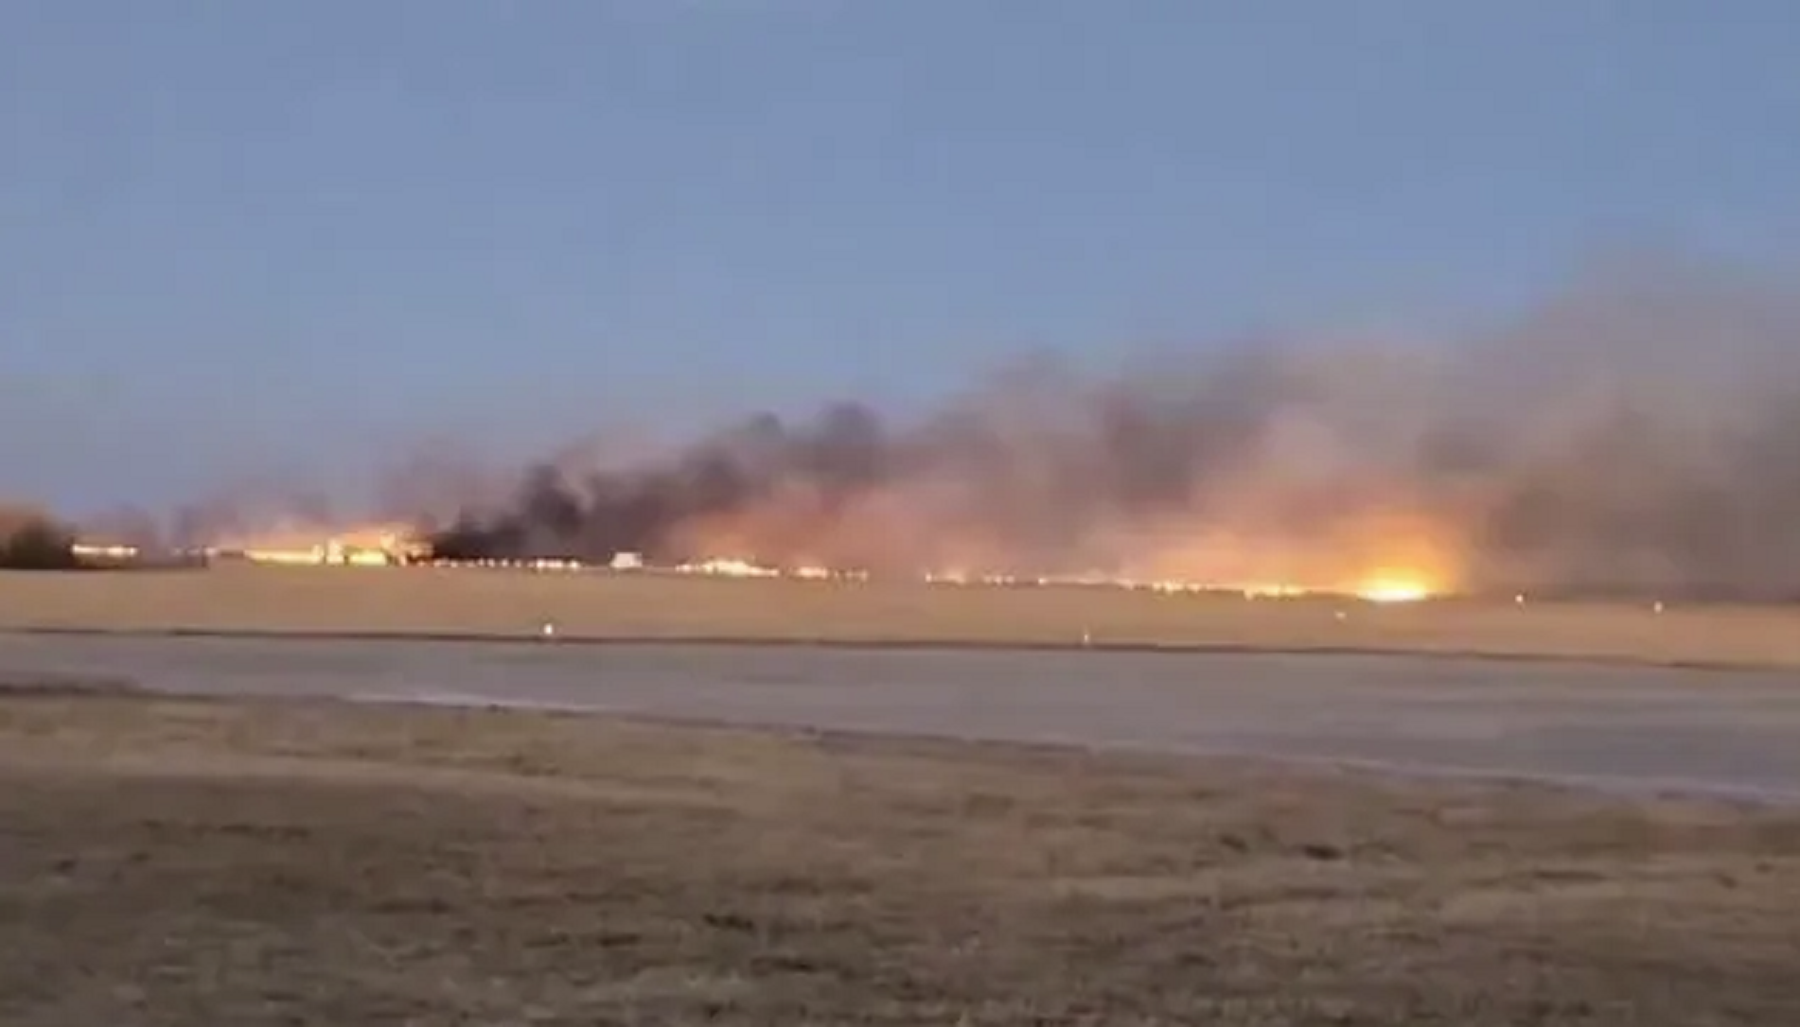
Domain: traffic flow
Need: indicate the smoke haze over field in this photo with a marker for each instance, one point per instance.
(1638, 432)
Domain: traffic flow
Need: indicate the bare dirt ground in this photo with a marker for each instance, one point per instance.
(183, 861)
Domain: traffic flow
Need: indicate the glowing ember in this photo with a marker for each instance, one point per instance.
(1275, 591)
(1393, 591)
(373, 545)
(729, 567)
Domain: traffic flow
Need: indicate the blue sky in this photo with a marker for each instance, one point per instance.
(306, 236)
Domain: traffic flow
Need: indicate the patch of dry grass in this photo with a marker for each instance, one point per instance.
(180, 862)
(517, 603)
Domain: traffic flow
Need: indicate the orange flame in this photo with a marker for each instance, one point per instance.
(1382, 553)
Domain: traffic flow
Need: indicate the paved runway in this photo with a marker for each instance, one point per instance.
(1687, 730)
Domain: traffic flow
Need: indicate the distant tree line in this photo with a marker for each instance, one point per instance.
(35, 542)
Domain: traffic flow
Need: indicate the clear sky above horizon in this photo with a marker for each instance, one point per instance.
(303, 237)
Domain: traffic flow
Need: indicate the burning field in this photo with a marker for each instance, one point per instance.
(1633, 439)
(604, 606)
(1637, 435)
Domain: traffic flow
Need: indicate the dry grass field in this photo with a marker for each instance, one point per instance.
(173, 861)
(596, 605)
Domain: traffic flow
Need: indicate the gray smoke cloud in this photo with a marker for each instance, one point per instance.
(1639, 432)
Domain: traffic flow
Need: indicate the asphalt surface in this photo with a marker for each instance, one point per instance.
(1686, 730)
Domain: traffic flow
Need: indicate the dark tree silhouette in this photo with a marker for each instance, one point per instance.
(38, 545)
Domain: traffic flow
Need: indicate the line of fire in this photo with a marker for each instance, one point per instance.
(391, 546)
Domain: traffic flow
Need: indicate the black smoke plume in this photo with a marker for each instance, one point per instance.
(1638, 433)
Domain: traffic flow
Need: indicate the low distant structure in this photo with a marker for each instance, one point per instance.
(30, 541)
